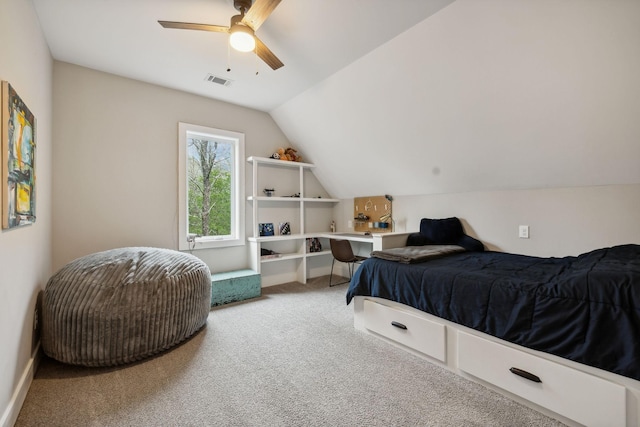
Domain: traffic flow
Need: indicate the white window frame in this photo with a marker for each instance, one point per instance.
(237, 237)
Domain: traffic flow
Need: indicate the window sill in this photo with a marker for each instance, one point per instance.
(210, 244)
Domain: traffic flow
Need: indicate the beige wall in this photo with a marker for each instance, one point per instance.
(562, 221)
(25, 253)
(116, 162)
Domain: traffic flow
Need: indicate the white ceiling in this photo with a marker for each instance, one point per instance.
(314, 39)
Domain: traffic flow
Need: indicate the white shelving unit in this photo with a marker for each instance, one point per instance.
(294, 261)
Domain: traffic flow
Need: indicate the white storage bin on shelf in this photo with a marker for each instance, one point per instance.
(307, 210)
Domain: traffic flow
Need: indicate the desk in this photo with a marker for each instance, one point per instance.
(378, 241)
(294, 254)
(366, 243)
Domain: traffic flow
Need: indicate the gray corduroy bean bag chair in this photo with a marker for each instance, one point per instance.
(123, 305)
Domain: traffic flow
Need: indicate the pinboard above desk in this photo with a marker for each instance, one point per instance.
(372, 214)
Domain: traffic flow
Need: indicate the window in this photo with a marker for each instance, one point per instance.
(211, 183)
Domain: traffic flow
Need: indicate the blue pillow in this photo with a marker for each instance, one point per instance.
(447, 231)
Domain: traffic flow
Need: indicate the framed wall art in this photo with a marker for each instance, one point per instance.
(18, 138)
(284, 228)
(265, 228)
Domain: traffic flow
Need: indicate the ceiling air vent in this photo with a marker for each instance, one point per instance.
(218, 80)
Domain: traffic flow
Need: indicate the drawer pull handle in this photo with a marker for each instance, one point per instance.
(525, 374)
(398, 325)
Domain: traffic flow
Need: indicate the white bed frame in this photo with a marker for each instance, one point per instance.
(570, 392)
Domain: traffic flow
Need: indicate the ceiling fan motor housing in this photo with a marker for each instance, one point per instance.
(242, 5)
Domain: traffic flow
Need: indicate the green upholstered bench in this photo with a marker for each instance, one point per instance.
(234, 286)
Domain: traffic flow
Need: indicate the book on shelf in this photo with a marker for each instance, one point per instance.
(268, 254)
(314, 245)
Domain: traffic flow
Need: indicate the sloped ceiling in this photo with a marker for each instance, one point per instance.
(402, 97)
(313, 38)
(483, 95)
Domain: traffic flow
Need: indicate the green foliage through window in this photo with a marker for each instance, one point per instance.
(209, 174)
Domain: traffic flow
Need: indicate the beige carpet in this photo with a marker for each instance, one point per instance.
(288, 358)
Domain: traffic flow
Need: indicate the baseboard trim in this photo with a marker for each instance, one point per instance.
(10, 414)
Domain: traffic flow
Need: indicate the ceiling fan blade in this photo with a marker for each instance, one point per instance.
(191, 26)
(259, 12)
(267, 56)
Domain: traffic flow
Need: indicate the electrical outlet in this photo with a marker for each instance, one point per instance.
(523, 231)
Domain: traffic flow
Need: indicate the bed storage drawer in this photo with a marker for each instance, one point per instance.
(405, 328)
(576, 395)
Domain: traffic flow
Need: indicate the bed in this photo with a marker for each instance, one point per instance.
(584, 309)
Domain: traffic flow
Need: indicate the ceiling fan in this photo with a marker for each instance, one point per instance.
(242, 28)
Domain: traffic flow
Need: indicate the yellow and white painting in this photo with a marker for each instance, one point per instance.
(18, 160)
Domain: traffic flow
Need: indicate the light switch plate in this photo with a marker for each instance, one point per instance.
(523, 231)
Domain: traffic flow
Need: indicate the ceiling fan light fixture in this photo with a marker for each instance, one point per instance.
(241, 38)
(241, 29)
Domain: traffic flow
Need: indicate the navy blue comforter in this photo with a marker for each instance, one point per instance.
(584, 308)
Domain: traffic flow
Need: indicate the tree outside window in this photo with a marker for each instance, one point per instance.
(209, 178)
